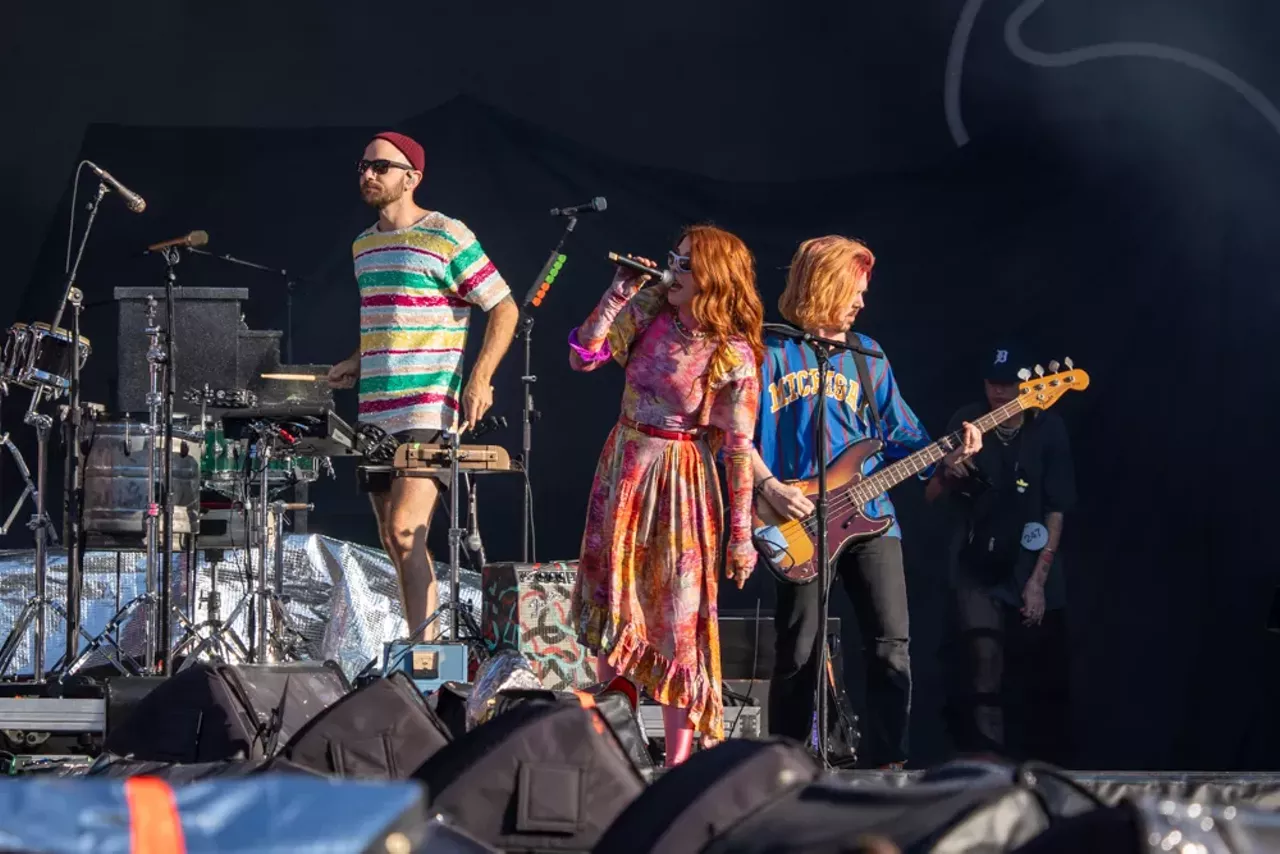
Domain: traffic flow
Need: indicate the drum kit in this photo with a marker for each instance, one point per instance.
(169, 483)
(147, 485)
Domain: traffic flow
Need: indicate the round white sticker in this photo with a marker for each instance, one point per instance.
(1035, 537)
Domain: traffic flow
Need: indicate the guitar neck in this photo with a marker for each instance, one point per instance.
(907, 467)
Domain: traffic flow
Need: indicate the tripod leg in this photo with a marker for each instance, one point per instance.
(26, 478)
(225, 628)
(108, 635)
(16, 636)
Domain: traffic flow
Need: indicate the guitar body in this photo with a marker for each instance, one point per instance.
(790, 548)
(846, 522)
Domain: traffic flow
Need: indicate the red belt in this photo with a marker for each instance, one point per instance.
(659, 433)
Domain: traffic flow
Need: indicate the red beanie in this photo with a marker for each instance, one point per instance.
(412, 151)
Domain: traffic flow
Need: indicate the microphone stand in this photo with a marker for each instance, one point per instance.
(822, 349)
(172, 255)
(72, 508)
(524, 330)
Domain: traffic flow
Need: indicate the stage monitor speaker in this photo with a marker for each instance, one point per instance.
(746, 646)
(207, 322)
(541, 776)
(382, 731)
(960, 806)
(694, 803)
(215, 712)
(123, 694)
(117, 767)
(525, 607)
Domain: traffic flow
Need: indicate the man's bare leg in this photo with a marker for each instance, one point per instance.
(404, 517)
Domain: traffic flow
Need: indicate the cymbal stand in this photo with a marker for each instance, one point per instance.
(73, 492)
(269, 620)
(157, 365)
(222, 641)
(284, 628)
(171, 258)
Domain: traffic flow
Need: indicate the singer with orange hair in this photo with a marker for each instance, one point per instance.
(645, 598)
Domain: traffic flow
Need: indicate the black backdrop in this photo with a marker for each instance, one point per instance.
(1118, 211)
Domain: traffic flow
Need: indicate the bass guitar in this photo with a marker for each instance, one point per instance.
(789, 546)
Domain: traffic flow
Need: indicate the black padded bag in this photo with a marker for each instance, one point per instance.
(450, 705)
(965, 805)
(215, 712)
(615, 705)
(111, 766)
(539, 777)
(383, 731)
(714, 790)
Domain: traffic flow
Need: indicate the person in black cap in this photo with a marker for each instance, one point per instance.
(1007, 505)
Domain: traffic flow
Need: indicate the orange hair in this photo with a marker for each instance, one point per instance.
(728, 304)
(821, 282)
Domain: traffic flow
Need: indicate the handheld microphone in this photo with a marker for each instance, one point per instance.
(475, 546)
(132, 200)
(473, 536)
(195, 238)
(594, 206)
(662, 277)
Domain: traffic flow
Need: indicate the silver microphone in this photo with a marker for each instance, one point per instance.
(661, 277)
(596, 205)
(474, 545)
(132, 200)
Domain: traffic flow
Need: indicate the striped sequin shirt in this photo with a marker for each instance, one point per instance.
(417, 286)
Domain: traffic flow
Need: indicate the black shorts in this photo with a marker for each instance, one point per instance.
(377, 479)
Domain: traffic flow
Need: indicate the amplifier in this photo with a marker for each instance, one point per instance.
(739, 721)
(525, 607)
(429, 665)
(750, 699)
(744, 643)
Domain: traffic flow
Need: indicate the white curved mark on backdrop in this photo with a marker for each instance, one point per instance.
(1111, 50)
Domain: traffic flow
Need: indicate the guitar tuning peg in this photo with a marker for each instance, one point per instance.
(1070, 364)
(1024, 375)
(1039, 371)
(1053, 366)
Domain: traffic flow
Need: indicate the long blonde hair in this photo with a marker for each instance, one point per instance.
(822, 280)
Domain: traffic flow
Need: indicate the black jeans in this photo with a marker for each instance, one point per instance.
(872, 575)
(1016, 699)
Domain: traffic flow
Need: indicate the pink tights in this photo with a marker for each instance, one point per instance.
(675, 722)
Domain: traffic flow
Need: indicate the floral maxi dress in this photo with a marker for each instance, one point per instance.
(645, 595)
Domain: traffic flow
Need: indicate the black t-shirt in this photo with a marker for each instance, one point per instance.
(1016, 483)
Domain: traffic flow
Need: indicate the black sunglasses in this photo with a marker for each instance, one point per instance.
(380, 167)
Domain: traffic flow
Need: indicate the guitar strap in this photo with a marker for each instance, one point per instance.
(864, 379)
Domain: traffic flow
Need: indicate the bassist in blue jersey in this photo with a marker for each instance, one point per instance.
(825, 291)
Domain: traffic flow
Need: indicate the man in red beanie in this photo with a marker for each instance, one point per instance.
(419, 273)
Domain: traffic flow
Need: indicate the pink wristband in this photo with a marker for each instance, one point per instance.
(601, 355)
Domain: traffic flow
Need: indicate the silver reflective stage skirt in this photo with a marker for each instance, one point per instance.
(344, 598)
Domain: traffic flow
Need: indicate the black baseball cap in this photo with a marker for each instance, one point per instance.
(1001, 363)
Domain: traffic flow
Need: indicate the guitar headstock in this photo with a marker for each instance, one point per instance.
(1042, 391)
